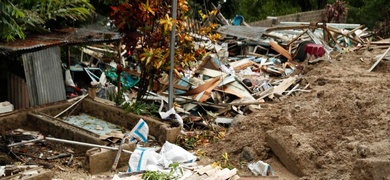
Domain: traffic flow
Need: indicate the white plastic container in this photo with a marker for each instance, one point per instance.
(6, 107)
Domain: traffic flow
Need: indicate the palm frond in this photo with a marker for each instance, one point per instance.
(75, 10)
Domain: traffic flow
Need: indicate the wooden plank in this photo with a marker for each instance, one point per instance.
(202, 87)
(285, 84)
(204, 169)
(377, 62)
(242, 64)
(293, 40)
(226, 173)
(333, 38)
(25, 95)
(207, 92)
(280, 50)
(18, 90)
(237, 89)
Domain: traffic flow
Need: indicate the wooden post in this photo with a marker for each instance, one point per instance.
(68, 57)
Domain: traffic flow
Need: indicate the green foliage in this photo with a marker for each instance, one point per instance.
(225, 163)
(158, 175)
(69, 9)
(372, 13)
(201, 138)
(141, 108)
(116, 97)
(146, 26)
(9, 27)
(17, 17)
(254, 10)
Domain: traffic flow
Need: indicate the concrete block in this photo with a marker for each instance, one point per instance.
(371, 168)
(293, 149)
(101, 160)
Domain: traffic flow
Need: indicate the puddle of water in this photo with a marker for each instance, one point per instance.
(93, 124)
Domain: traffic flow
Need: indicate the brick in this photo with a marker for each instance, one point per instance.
(101, 160)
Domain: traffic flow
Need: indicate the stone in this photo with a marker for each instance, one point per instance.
(363, 150)
(237, 120)
(247, 154)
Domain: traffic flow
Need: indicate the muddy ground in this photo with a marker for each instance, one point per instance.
(346, 110)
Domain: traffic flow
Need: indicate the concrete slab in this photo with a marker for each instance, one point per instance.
(293, 149)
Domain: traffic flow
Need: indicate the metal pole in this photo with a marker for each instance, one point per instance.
(84, 144)
(172, 54)
(56, 116)
(71, 142)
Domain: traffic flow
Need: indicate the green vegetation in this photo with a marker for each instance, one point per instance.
(225, 163)
(372, 13)
(141, 108)
(158, 175)
(20, 17)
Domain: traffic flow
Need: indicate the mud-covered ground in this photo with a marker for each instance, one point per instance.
(347, 109)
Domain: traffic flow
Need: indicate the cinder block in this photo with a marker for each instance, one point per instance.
(101, 160)
(376, 168)
(293, 149)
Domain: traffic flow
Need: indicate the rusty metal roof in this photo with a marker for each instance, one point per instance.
(69, 36)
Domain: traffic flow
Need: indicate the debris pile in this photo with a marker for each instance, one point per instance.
(247, 67)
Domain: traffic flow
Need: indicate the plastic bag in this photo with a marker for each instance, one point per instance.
(140, 132)
(260, 168)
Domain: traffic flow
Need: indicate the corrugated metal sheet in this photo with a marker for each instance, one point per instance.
(44, 76)
(249, 32)
(17, 91)
(27, 44)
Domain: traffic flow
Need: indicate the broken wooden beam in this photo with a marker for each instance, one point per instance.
(377, 62)
(281, 50)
